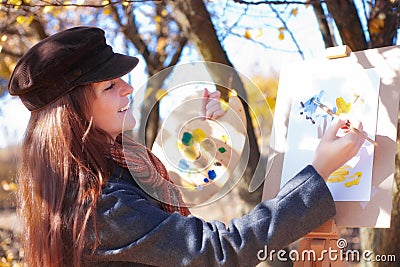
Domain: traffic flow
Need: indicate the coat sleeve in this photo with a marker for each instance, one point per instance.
(132, 229)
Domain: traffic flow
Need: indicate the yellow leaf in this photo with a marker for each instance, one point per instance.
(161, 44)
(164, 13)
(106, 11)
(148, 92)
(57, 11)
(4, 38)
(342, 106)
(105, 3)
(29, 20)
(125, 3)
(259, 32)
(47, 9)
(281, 29)
(15, 2)
(247, 34)
(80, 2)
(281, 36)
(24, 20)
(158, 18)
(376, 25)
(294, 11)
(160, 94)
(21, 20)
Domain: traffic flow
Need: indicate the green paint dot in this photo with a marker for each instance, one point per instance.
(222, 149)
(187, 139)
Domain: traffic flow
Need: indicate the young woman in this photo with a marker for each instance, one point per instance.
(78, 199)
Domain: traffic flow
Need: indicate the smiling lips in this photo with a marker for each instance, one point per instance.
(124, 108)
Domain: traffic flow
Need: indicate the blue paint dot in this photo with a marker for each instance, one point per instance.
(206, 180)
(212, 175)
(183, 165)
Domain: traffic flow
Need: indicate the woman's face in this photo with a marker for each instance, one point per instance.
(111, 109)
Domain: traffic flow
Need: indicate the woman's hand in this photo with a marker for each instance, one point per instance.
(332, 151)
(211, 106)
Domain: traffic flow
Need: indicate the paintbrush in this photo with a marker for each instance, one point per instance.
(348, 124)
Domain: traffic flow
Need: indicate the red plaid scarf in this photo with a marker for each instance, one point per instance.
(149, 172)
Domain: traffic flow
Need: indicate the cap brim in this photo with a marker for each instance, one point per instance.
(117, 66)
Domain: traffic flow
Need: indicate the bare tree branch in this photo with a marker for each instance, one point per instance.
(181, 44)
(276, 2)
(236, 23)
(51, 4)
(289, 31)
(7, 52)
(263, 44)
(39, 28)
(131, 32)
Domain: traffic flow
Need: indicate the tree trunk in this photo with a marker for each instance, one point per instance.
(156, 62)
(348, 23)
(383, 23)
(150, 110)
(195, 21)
(323, 25)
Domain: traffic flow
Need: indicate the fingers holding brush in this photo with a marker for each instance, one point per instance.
(335, 149)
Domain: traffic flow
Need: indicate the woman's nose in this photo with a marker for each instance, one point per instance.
(126, 89)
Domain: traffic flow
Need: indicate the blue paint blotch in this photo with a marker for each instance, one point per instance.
(212, 175)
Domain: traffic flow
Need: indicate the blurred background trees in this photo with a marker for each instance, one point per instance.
(165, 33)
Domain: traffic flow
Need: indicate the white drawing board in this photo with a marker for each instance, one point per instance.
(348, 90)
(381, 63)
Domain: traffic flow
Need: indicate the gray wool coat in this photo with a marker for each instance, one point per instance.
(134, 231)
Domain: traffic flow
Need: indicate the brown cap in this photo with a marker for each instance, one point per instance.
(58, 64)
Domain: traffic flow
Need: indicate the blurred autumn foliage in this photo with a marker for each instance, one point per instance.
(8, 163)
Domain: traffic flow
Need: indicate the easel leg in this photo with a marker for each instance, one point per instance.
(319, 248)
(304, 245)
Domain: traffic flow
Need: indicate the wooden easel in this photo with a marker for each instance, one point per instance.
(324, 238)
(320, 242)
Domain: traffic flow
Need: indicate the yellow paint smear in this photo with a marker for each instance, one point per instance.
(355, 181)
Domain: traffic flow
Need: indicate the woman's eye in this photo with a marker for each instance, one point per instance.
(110, 87)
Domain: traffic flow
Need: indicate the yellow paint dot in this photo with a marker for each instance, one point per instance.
(190, 153)
(181, 147)
(225, 138)
(199, 135)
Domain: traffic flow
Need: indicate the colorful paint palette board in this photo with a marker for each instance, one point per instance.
(201, 154)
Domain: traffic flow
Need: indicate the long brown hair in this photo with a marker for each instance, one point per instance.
(62, 169)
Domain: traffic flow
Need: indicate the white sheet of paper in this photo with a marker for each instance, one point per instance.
(346, 79)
